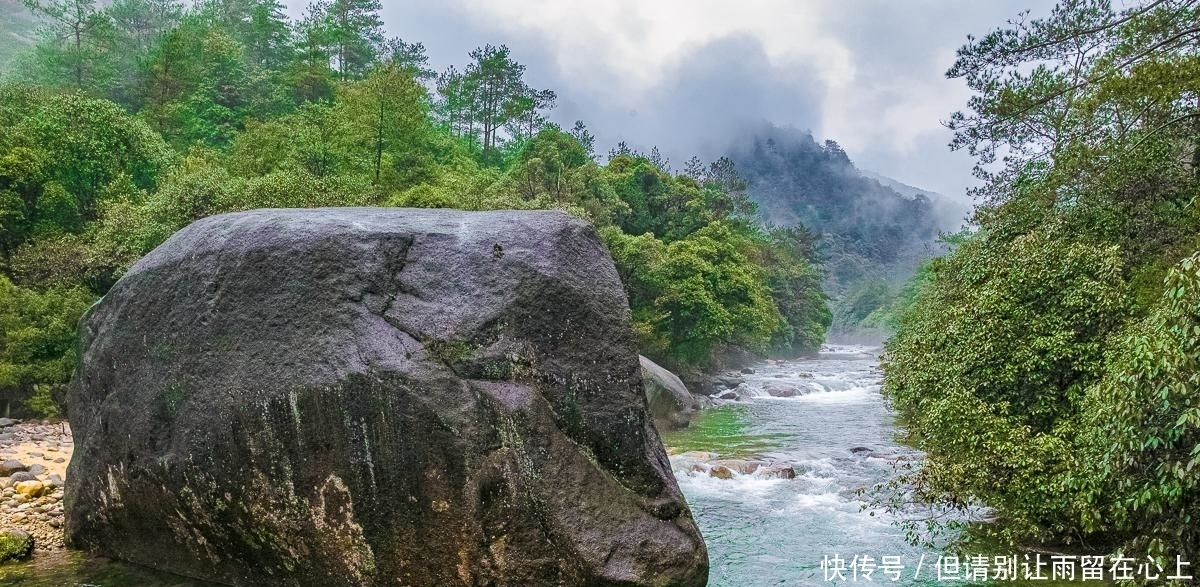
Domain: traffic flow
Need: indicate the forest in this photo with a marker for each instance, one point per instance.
(1049, 365)
(123, 122)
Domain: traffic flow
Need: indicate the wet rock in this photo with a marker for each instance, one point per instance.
(860, 449)
(777, 472)
(15, 544)
(699, 383)
(728, 394)
(740, 466)
(670, 403)
(6, 422)
(720, 472)
(747, 371)
(12, 466)
(730, 381)
(782, 390)
(374, 397)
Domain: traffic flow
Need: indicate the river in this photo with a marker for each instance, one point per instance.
(773, 532)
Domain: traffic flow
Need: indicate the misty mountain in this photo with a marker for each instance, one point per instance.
(874, 230)
(17, 29)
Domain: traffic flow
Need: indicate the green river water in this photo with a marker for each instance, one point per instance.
(760, 532)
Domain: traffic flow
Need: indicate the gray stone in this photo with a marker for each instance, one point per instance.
(671, 405)
(382, 397)
(730, 381)
(12, 466)
(728, 394)
(37, 469)
(782, 390)
(20, 476)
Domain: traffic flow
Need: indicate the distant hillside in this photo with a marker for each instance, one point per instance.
(875, 230)
(17, 30)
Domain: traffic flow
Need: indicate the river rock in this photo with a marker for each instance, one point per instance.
(671, 405)
(730, 381)
(747, 371)
(20, 476)
(777, 471)
(728, 394)
(740, 466)
(720, 472)
(12, 466)
(380, 397)
(782, 390)
(6, 422)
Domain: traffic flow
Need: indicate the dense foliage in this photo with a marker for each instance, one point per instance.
(1050, 363)
(127, 121)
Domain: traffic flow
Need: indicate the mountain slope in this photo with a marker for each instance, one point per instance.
(875, 231)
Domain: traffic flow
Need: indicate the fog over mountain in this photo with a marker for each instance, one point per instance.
(687, 76)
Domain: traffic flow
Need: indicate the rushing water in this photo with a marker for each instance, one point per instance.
(773, 532)
(840, 437)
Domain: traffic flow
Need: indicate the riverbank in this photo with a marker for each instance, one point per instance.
(33, 468)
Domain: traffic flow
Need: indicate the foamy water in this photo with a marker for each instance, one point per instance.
(768, 531)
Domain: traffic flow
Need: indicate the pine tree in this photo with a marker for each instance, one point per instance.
(77, 44)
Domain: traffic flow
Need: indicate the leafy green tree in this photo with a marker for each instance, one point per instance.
(790, 258)
(1141, 433)
(202, 88)
(259, 26)
(139, 26)
(387, 109)
(77, 45)
(92, 142)
(37, 340)
(695, 294)
(352, 33)
(496, 89)
(1045, 335)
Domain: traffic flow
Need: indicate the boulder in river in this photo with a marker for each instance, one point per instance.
(671, 406)
(782, 390)
(374, 397)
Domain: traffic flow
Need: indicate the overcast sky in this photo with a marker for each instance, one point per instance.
(686, 75)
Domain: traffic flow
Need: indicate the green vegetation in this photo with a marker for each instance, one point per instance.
(126, 121)
(1050, 363)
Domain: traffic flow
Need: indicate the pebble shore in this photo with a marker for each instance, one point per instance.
(33, 465)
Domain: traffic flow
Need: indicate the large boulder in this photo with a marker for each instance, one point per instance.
(671, 405)
(374, 397)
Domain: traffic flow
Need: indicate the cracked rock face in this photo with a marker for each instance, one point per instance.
(374, 397)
